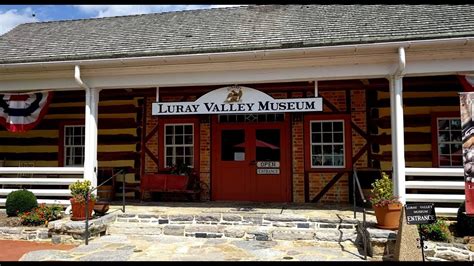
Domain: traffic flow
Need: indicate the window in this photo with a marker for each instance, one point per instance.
(74, 145)
(449, 142)
(327, 144)
(179, 144)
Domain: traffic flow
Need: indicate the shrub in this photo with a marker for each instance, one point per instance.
(464, 224)
(382, 192)
(438, 231)
(41, 215)
(20, 201)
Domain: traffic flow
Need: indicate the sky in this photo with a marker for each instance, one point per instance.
(12, 15)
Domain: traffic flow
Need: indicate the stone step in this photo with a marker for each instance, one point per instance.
(258, 227)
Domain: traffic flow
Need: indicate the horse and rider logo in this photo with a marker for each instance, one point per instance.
(234, 95)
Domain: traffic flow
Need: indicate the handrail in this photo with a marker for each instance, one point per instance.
(355, 181)
(87, 202)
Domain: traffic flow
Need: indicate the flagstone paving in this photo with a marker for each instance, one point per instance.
(173, 248)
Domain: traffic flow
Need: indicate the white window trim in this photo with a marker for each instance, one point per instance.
(449, 142)
(71, 146)
(343, 144)
(177, 145)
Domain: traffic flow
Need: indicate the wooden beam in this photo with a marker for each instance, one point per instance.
(152, 156)
(417, 120)
(425, 101)
(327, 187)
(410, 138)
(330, 105)
(410, 156)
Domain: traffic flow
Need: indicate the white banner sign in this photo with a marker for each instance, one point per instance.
(268, 171)
(264, 164)
(237, 100)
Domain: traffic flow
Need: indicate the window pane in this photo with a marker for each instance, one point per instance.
(338, 137)
(179, 151)
(188, 129)
(188, 150)
(443, 124)
(327, 161)
(188, 160)
(456, 136)
(456, 149)
(327, 149)
(443, 136)
(337, 126)
(169, 151)
(444, 160)
(327, 126)
(169, 130)
(188, 139)
(316, 127)
(317, 149)
(317, 160)
(444, 148)
(169, 140)
(456, 124)
(169, 161)
(456, 160)
(179, 130)
(338, 149)
(338, 160)
(327, 137)
(178, 139)
(233, 145)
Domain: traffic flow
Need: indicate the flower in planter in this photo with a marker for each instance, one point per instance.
(80, 190)
(382, 192)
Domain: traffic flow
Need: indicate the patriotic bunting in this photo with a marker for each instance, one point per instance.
(20, 112)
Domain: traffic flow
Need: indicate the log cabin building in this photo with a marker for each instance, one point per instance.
(266, 103)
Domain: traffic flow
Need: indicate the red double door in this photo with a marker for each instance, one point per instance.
(250, 162)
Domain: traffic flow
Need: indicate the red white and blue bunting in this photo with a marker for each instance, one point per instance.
(20, 112)
(467, 82)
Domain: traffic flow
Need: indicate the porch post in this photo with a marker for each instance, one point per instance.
(90, 152)
(398, 140)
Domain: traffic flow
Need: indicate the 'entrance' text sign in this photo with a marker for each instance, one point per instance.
(420, 213)
(237, 100)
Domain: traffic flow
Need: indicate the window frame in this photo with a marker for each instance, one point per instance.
(347, 146)
(174, 145)
(62, 140)
(162, 122)
(435, 116)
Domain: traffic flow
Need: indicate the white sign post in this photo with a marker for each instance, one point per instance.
(237, 100)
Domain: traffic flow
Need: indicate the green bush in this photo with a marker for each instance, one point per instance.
(41, 215)
(20, 201)
(465, 224)
(438, 231)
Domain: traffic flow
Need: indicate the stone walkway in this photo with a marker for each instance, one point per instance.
(294, 230)
(172, 248)
(328, 211)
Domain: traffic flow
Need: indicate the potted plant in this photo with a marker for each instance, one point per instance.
(181, 169)
(80, 190)
(387, 207)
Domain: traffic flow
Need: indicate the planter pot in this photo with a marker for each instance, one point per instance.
(388, 217)
(79, 209)
(101, 208)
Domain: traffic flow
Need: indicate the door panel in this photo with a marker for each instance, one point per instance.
(267, 175)
(232, 173)
(250, 162)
